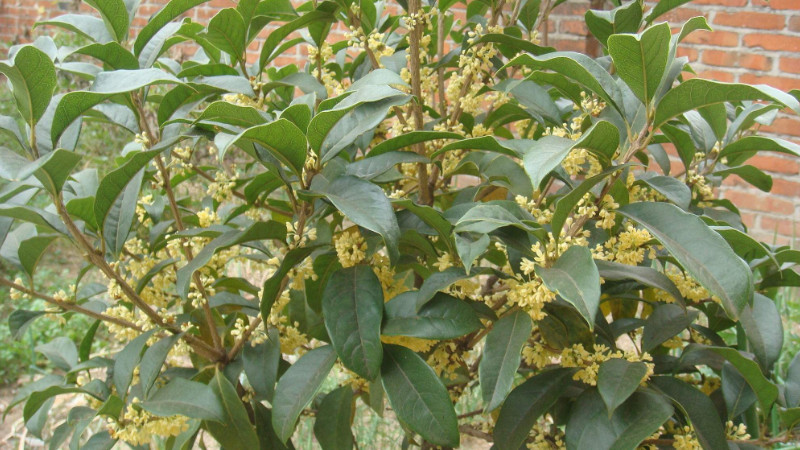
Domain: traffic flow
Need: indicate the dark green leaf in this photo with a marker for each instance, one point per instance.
(281, 138)
(153, 360)
(33, 80)
(418, 397)
(698, 407)
(575, 278)
(406, 140)
(115, 16)
(61, 351)
(366, 205)
(261, 363)
(737, 393)
(641, 60)
(501, 357)
(352, 306)
(186, 398)
(126, 361)
(235, 431)
(703, 253)
(332, 427)
(764, 328)
(525, 404)
(649, 277)
(666, 321)
(297, 388)
(617, 379)
(228, 32)
(443, 317)
(20, 319)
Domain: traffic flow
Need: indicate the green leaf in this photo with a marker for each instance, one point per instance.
(649, 277)
(468, 250)
(514, 42)
(544, 156)
(663, 7)
(750, 174)
(443, 317)
(696, 93)
(666, 321)
(525, 404)
(228, 32)
(703, 253)
(119, 219)
(107, 84)
(358, 113)
(489, 143)
(297, 388)
(20, 319)
(33, 81)
(332, 427)
(406, 140)
(698, 407)
(564, 205)
(367, 206)
(258, 231)
(110, 53)
(765, 390)
(485, 218)
(501, 357)
(115, 15)
(61, 351)
(371, 167)
(575, 278)
(172, 10)
(617, 379)
(186, 398)
(31, 251)
(261, 363)
(40, 400)
(418, 396)
(235, 431)
(126, 361)
(673, 189)
(579, 68)
(764, 329)
(282, 139)
(641, 59)
(83, 24)
(274, 285)
(749, 145)
(352, 307)
(737, 393)
(590, 425)
(113, 184)
(792, 383)
(274, 39)
(153, 360)
(622, 19)
(438, 281)
(239, 116)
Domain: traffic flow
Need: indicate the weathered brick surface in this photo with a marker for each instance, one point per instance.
(754, 41)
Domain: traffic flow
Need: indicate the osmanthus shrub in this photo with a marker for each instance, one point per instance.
(445, 217)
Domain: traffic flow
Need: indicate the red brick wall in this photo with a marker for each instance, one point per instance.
(754, 41)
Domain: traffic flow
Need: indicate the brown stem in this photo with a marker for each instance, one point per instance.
(414, 37)
(69, 306)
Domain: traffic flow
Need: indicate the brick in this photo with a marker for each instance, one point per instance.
(782, 83)
(717, 75)
(717, 38)
(759, 202)
(688, 52)
(785, 187)
(736, 59)
(573, 45)
(784, 125)
(681, 15)
(772, 42)
(748, 219)
(791, 65)
(720, 2)
(775, 164)
(781, 225)
(749, 19)
(577, 27)
(794, 23)
(777, 4)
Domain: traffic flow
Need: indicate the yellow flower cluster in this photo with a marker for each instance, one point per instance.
(446, 359)
(416, 344)
(686, 439)
(542, 216)
(138, 427)
(15, 294)
(545, 436)
(537, 355)
(221, 188)
(589, 362)
(701, 191)
(531, 296)
(350, 248)
(392, 287)
(628, 247)
(688, 286)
